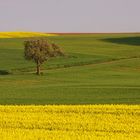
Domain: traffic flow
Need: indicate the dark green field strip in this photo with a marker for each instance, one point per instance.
(72, 96)
(133, 40)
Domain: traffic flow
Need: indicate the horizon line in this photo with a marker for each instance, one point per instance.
(92, 32)
(78, 32)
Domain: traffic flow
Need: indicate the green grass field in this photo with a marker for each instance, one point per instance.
(97, 69)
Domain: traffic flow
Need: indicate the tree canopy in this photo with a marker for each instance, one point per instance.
(40, 50)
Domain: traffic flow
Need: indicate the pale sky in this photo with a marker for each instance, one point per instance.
(70, 15)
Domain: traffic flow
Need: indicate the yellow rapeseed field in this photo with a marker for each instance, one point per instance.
(70, 122)
(23, 34)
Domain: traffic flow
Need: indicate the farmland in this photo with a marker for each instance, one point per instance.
(93, 92)
(97, 69)
(80, 122)
(23, 34)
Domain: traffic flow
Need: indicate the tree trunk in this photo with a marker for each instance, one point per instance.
(38, 69)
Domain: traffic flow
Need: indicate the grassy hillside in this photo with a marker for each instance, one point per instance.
(98, 69)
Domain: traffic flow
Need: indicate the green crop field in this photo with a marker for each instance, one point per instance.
(97, 69)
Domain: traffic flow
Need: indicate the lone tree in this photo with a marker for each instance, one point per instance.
(40, 50)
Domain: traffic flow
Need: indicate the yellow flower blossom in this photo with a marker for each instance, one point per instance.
(70, 122)
(23, 34)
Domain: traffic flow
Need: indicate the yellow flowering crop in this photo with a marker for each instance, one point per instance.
(70, 122)
(23, 34)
